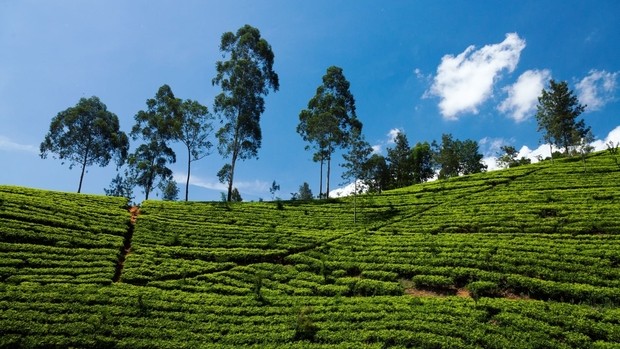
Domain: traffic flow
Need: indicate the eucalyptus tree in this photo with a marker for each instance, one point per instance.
(245, 77)
(85, 135)
(327, 122)
(193, 127)
(148, 164)
(557, 112)
(357, 156)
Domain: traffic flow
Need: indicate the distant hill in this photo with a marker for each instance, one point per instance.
(527, 257)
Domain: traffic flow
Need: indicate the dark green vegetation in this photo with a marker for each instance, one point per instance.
(527, 257)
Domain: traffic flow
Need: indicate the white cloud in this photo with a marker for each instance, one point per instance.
(597, 89)
(252, 187)
(464, 82)
(376, 149)
(543, 151)
(348, 189)
(9, 145)
(523, 94)
(392, 135)
(490, 146)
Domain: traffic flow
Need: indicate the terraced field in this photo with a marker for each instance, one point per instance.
(521, 258)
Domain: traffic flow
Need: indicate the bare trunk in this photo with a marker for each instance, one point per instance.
(329, 161)
(355, 202)
(230, 177)
(83, 170)
(189, 162)
(321, 181)
(551, 151)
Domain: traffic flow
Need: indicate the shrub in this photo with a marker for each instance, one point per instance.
(483, 289)
(434, 282)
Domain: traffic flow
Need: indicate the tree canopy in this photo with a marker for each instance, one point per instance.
(156, 127)
(245, 77)
(329, 118)
(193, 126)
(85, 135)
(557, 112)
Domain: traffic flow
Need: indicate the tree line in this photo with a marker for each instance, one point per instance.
(88, 134)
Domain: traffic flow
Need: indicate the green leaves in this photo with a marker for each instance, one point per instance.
(557, 111)
(85, 135)
(245, 78)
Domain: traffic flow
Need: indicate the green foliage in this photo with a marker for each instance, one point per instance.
(329, 119)
(193, 127)
(455, 157)
(120, 186)
(169, 190)
(85, 135)
(557, 112)
(507, 157)
(305, 328)
(305, 193)
(245, 78)
(148, 165)
(479, 289)
(200, 274)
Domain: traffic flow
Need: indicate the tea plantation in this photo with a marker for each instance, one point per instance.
(520, 258)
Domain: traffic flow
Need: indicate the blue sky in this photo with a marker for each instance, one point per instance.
(470, 68)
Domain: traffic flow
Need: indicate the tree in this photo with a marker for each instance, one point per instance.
(121, 187)
(470, 159)
(422, 162)
(355, 158)
(235, 196)
(245, 78)
(193, 127)
(557, 111)
(156, 127)
(169, 190)
(275, 187)
(455, 157)
(85, 135)
(400, 164)
(507, 157)
(447, 156)
(377, 173)
(329, 118)
(305, 194)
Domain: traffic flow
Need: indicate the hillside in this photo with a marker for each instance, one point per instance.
(520, 258)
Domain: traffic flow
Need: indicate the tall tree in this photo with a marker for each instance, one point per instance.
(447, 156)
(400, 164)
(329, 118)
(355, 158)
(422, 164)
(557, 112)
(470, 159)
(377, 173)
(86, 134)
(156, 127)
(245, 78)
(193, 127)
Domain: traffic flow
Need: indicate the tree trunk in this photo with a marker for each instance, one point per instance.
(83, 170)
(321, 181)
(329, 161)
(355, 202)
(230, 176)
(189, 162)
(551, 151)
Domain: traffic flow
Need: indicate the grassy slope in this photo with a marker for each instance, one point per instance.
(541, 240)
